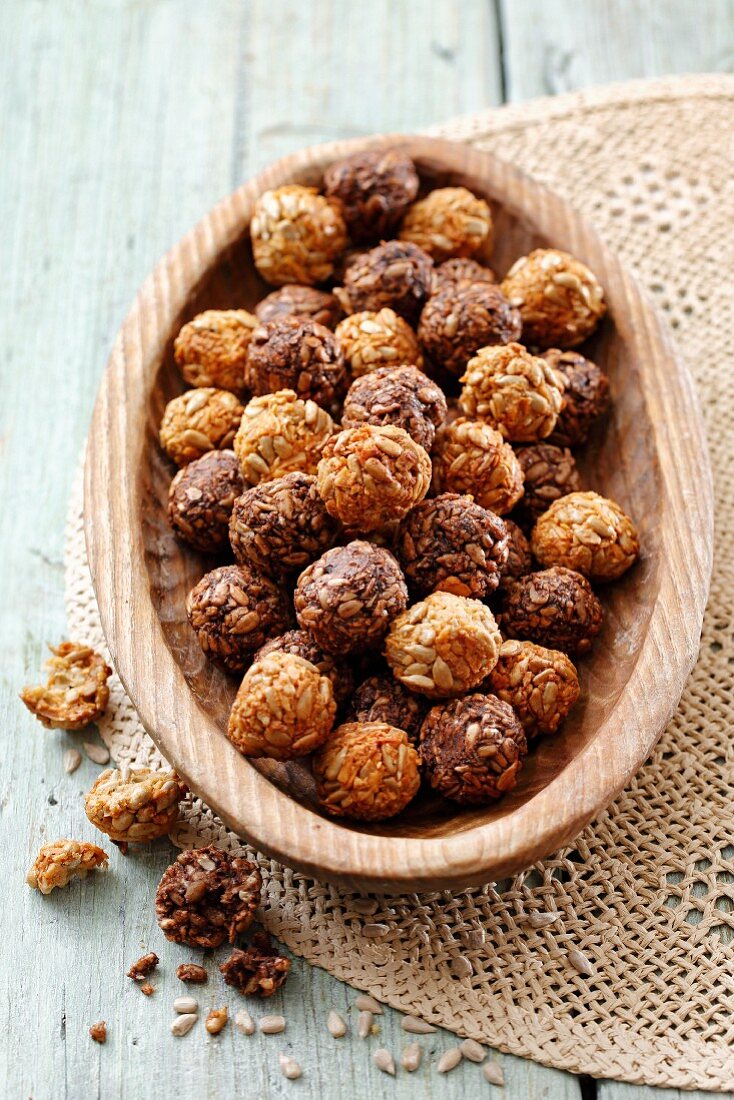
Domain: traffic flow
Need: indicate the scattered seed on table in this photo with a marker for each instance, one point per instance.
(415, 1026)
(365, 1003)
(72, 760)
(191, 972)
(364, 1024)
(367, 907)
(449, 1060)
(98, 1032)
(100, 754)
(383, 1059)
(336, 1025)
(542, 920)
(183, 1024)
(473, 1050)
(216, 1020)
(410, 1059)
(580, 962)
(289, 1067)
(147, 989)
(493, 1073)
(461, 967)
(244, 1022)
(185, 1004)
(271, 1025)
(375, 931)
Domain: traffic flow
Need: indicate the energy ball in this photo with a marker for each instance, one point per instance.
(560, 300)
(304, 356)
(444, 645)
(367, 771)
(369, 476)
(401, 396)
(555, 608)
(519, 556)
(550, 473)
(212, 349)
(199, 421)
(233, 610)
(396, 274)
(588, 533)
(207, 896)
(305, 303)
(301, 644)
(284, 708)
(382, 699)
(279, 434)
(451, 544)
(280, 526)
(347, 599)
(201, 498)
(76, 692)
(371, 340)
(541, 685)
(449, 221)
(297, 235)
(463, 317)
(471, 458)
(585, 398)
(375, 188)
(135, 807)
(516, 392)
(472, 749)
(61, 861)
(461, 269)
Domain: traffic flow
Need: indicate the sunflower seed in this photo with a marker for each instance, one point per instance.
(473, 1050)
(185, 1005)
(415, 1026)
(100, 754)
(336, 1025)
(72, 760)
(271, 1025)
(183, 1024)
(493, 1073)
(216, 1020)
(244, 1022)
(289, 1067)
(364, 1024)
(365, 1003)
(375, 931)
(580, 962)
(449, 1060)
(410, 1059)
(461, 967)
(366, 906)
(383, 1059)
(542, 920)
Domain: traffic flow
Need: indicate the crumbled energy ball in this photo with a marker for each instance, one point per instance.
(370, 340)
(472, 749)
(282, 525)
(555, 608)
(233, 610)
(258, 971)
(280, 433)
(449, 221)
(516, 392)
(143, 967)
(585, 398)
(367, 771)
(134, 807)
(304, 356)
(444, 645)
(450, 544)
(370, 475)
(401, 396)
(459, 270)
(59, 862)
(201, 499)
(297, 235)
(471, 458)
(541, 685)
(385, 701)
(191, 972)
(519, 557)
(396, 274)
(347, 599)
(284, 708)
(301, 644)
(549, 473)
(305, 303)
(76, 691)
(588, 533)
(560, 300)
(98, 1032)
(211, 350)
(462, 317)
(207, 896)
(198, 421)
(375, 187)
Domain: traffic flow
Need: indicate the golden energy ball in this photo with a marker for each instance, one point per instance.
(280, 434)
(541, 685)
(588, 533)
(560, 299)
(212, 349)
(297, 235)
(471, 458)
(449, 221)
(370, 340)
(135, 806)
(367, 771)
(514, 391)
(199, 421)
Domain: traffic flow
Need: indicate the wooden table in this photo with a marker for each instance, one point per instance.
(122, 122)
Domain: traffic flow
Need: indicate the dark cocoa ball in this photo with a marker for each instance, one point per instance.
(585, 398)
(201, 498)
(472, 749)
(550, 473)
(304, 356)
(347, 599)
(462, 317)
(402, 396)
(461, 269)
(383, 699)
(375, 188)
(305, 303)
(207, 896)
(397, 274)
(299, 643)
(280, 526)
(555, 608)
(450, 544)
(233, 610)
(519, 555)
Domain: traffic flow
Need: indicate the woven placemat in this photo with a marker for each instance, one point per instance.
(646, 893)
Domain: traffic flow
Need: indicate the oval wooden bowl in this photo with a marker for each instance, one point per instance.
(651, 456)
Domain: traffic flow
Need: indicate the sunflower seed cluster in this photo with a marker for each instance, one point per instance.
(471, 458)
(449, 221)
(366, 770)
(76, 691)
(200, 420)
(374, 187)
(585, 397)
(280, 433)
(374, 339)
(401, 396)
(588, 533)
(211, 350)
(61, 861)
(305, 303)
(549, 473)
(201, 498)
(137, 805)
(559, 298)
(304, 356)
(555, 608)
(541, 685)
(396, 274)
(516, 392)
(297, 235)
(461, 317)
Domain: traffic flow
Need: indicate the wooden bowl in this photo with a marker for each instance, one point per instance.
(650, 456)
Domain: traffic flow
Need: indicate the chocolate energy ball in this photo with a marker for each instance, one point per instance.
(472, 749)
(444, 645)
(516, 392)
(396, 274)
(367, 771)
(212, 349)
(207, 896)
(402, 396)
(459, 270)
(198, 421)
(462, 317)
(280, 526)
(369, 476)
(451, 544)
(278, 434)
(375, 187)
(550, 473)
(372, 340)
(585, 398)
(201, 499)
(560, 299)
(347, 599)
(541, 685)
(233, 610)
(304, 356)
(284, 708)
(305, 303)
(301, 644)
(471, 458)
(519, 556)
(555, 608)
(297, 235)
(449, 221)
(588, 533)
(382, 699)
